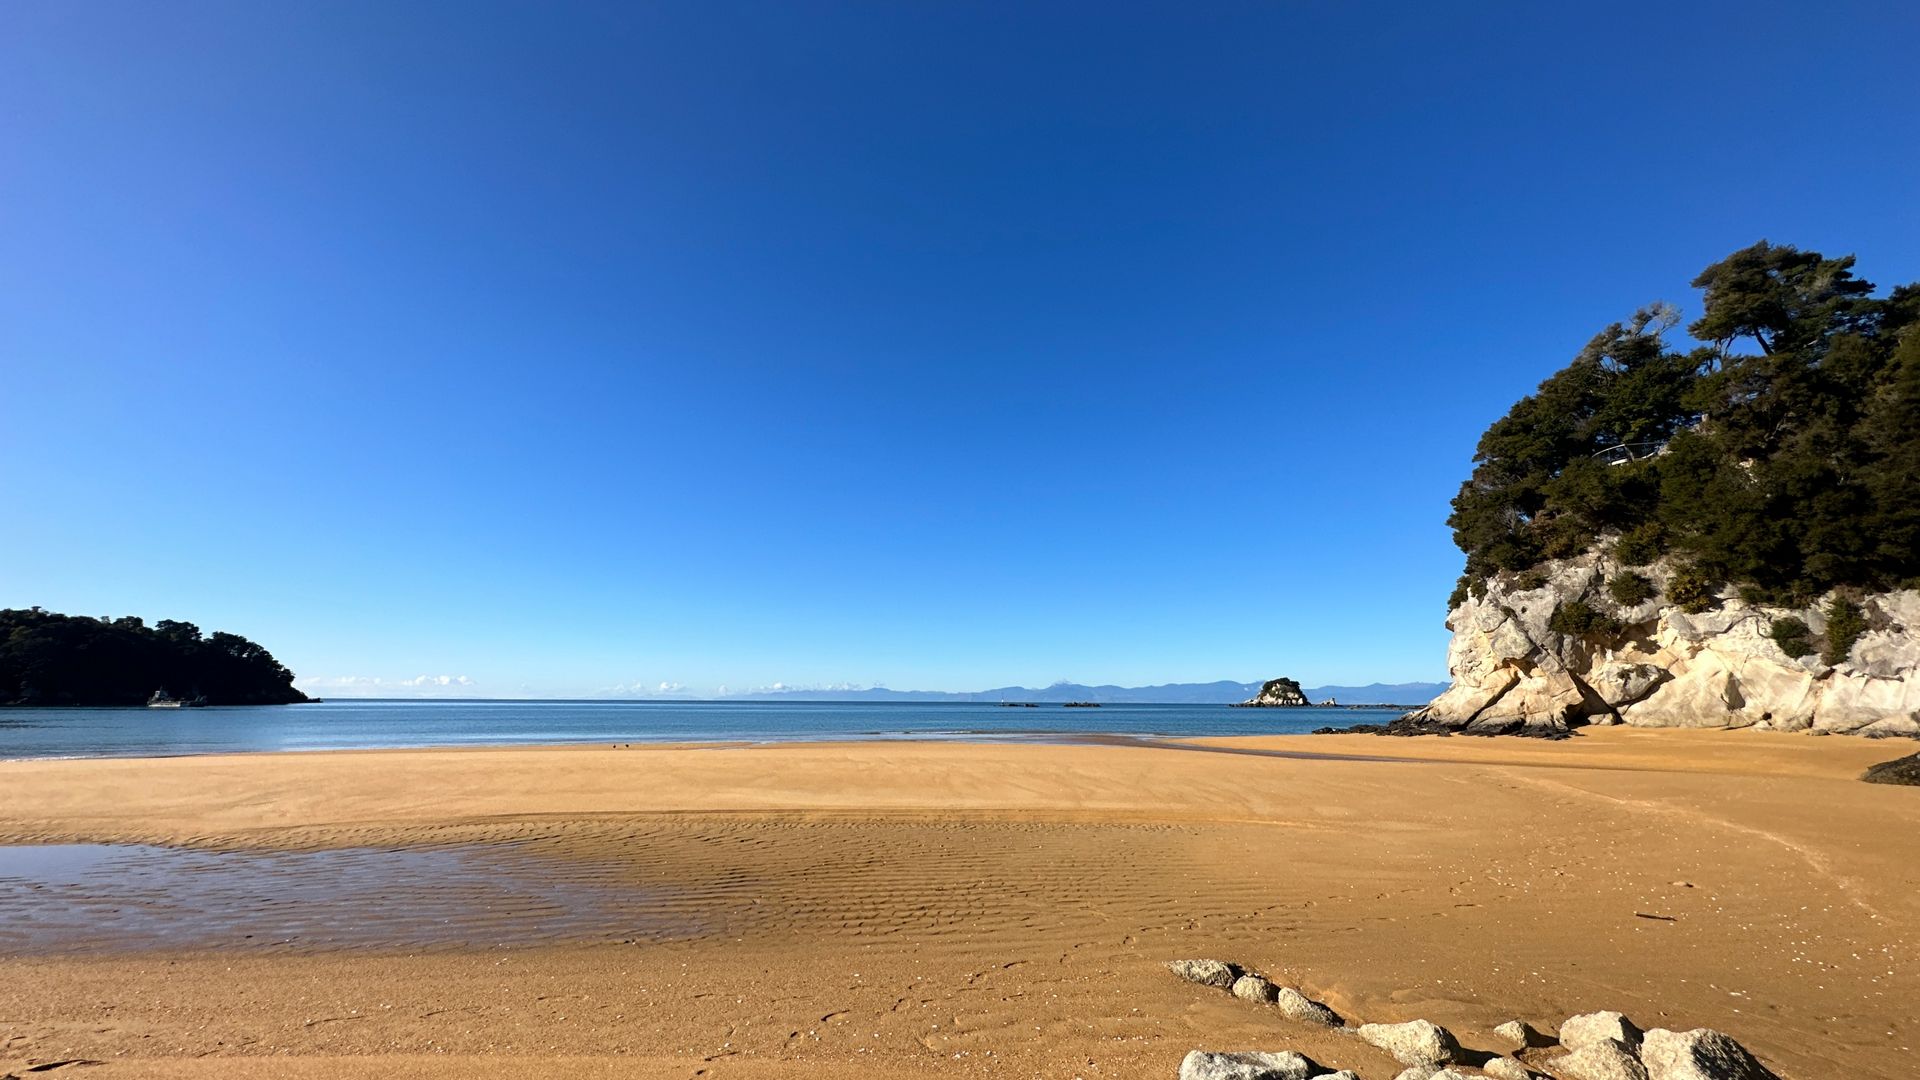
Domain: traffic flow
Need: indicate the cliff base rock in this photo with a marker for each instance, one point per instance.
(1551, 649)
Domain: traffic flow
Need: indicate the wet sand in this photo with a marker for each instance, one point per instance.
(936, 909)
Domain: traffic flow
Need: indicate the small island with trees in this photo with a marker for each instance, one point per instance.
(51, 659)
(1277, 693)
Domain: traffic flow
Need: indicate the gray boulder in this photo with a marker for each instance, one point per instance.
(1505, 1068)
(1595, 1027)
(1246, 1065)
(1206, 972)
(1700, 1054)
(1418, 1072)
(1416, 1042)
(1343, 1074)
(1295, 1005)
(1253, 988)
(1607, 1059)
(1521, 1033)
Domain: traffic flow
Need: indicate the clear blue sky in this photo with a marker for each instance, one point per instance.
(571, 347)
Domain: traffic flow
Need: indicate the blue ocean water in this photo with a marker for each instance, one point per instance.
(348, 725)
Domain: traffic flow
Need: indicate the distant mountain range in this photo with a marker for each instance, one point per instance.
(1224, 692)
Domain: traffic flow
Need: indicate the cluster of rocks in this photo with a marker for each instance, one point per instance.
(1607, 1046)
(1591, 1046)
(1520, 663)
(1249, 986)
(1419, 722)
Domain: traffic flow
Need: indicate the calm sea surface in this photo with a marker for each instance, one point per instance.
(345, 725)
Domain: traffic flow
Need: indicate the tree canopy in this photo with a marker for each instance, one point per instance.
(52, 659)
(1779, 452)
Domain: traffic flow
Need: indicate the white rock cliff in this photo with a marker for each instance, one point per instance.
(1665, 667)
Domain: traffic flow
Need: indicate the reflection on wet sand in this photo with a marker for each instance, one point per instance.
(74, 898)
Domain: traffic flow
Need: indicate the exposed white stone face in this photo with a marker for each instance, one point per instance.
(1206, 972)
(1700, 1054)
(1416, 1042)
(1589, 1028)
(1245, 1065)
(1666, 667)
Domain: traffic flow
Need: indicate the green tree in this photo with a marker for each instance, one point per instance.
(52, 659)
(1792, 636)
(1845, 623)
(1778, 296)
(1786, 472)
(1891, 474)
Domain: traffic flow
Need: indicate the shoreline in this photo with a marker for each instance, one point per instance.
(1392, 746)
(981, 737)
(78, 733)
(951, 908)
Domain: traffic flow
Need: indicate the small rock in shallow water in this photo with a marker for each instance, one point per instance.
(1206, 972)
(1904, 770)
(1521, 1033)
(1246, 1065)
(1416, 1042)
(1253, 988)
(1589, 1028)
(1295, 1005)
(1607, 1059)
(1700, 1054)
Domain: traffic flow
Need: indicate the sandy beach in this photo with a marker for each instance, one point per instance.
(933, 909)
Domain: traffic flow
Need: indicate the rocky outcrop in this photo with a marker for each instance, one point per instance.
(1554, 648)
(1904, 770)
(1276, 693)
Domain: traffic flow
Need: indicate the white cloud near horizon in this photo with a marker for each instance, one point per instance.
(366, 683)
(439, 680)
(789, 688)
(646, 689)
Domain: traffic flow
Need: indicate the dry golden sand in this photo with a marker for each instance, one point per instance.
(1003, 910)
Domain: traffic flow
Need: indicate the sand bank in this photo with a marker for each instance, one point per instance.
(956, 909)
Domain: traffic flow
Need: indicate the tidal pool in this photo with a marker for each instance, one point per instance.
(82, 898)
